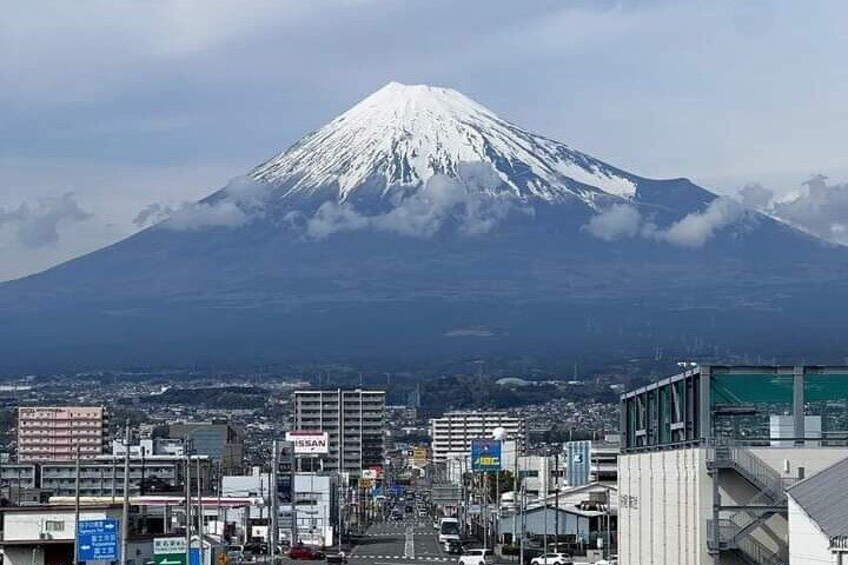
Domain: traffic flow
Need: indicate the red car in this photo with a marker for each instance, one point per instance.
(306, 553)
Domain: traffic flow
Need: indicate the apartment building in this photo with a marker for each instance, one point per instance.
(53, 433)
(104, 476)
(453, 432)
(354, 421)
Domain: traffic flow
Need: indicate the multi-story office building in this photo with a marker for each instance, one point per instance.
(453, 432)
(354, 421)
(705, 464)
(53, 433)
(221, 442)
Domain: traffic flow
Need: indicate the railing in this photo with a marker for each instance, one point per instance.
(734, 531)
(726, 454)
(757, 553)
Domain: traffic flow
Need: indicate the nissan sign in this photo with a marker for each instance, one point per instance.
(309, 443)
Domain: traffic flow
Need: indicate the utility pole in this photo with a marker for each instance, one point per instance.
(485, 510)
(77, 505)
(125, 512)
(556, 498)
(497, 519)
(293, 533)
(187, 501)
(272, 492)
(545, 495)
(515, 502)
(219, 510)
(523, 523)
(114, 476)
(200, 531)
(341, 503)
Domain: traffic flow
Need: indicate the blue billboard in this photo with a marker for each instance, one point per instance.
(485, 455)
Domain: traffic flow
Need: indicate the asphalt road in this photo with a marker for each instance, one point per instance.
(411, 541)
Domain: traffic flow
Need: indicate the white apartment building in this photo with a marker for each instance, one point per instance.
(453, 432)
(354, 421)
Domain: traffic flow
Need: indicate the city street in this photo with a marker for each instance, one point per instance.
(409, 541)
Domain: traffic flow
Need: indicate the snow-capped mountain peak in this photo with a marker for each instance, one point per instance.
(401, 135)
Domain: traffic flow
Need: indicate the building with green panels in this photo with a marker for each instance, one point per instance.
(708, 453)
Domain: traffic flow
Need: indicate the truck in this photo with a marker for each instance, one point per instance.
(448, 530)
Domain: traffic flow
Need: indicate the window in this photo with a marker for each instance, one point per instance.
(54, 525)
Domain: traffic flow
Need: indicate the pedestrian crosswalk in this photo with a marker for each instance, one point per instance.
(402, 557)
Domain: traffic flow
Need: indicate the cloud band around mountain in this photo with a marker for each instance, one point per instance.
(623, 221)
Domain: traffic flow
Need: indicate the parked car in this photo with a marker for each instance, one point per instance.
(453, 547)
(553, 559)
(236, 552)
(476, 557)
(305, 552)
(336, 558)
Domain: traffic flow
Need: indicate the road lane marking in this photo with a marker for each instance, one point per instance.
(409, 544)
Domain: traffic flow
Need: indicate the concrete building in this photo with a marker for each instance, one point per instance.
(586, 513)
(316, 507)
(354, 421)
(221, 442)
(103, 476)
(148, 447)
(453, 432)
(603, 455)
(53, 433)
(701, 479)
(44, 534)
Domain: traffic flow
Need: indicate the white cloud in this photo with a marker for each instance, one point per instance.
(622, 221)
(695, 229)
(616, 222)
(206, 215)
(37, 223)
(440, 202)
(756, 196)
(817, 207)
(153, 214)
(332, 217)
(240, 201)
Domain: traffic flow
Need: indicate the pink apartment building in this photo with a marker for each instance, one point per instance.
(52, 433)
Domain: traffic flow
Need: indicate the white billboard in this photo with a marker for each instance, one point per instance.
(165, 546)
(309, 443)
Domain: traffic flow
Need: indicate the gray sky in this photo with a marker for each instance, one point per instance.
(124, 104)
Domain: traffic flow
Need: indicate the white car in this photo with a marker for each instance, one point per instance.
(552, 559)
(476, 557)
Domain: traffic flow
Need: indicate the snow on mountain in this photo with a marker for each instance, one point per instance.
(402, 135)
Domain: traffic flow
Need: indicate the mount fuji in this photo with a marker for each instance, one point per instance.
(419, 223)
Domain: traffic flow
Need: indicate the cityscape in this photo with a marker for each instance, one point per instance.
(423, 282)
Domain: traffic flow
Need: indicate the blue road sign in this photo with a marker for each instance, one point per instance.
(97, 540)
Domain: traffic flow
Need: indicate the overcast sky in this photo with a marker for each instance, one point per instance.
(108, 107)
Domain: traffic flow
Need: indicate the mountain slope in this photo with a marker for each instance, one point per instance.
(402, 135)
(419, 223)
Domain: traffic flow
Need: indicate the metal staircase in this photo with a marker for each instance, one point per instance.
(754, 553)
(735, 530)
